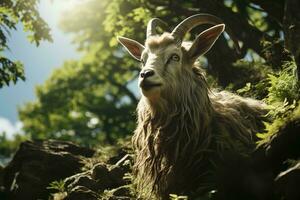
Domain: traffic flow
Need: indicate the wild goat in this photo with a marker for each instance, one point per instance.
(183, 126)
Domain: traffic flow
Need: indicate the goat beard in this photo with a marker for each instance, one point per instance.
(168, 134)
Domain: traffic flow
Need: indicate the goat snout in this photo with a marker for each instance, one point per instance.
(146, 73)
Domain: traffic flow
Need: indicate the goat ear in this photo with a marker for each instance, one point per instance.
(133, 47)
(205, 41)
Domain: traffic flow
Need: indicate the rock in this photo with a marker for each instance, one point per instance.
(284, 145)
(83, 179)
(117, 174)
(99, 171)
(1, 175)
(239, 178)
(109, 177)
(2, 194)
(122, 191)
(1, 178)
(119, 155)
(37, 164)
(81, 193)
(101, 177)
(254, 177)
(288, 182)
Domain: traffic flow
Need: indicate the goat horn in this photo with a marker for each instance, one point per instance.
(195, 20)
(153, 23)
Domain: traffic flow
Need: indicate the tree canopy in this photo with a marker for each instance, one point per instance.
(12, 13)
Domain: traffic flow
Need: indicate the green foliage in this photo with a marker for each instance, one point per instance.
(283, 94)
(251, 79)
(58, 190)
(58, 186)
(284, 85)
(13, 12)
(10, 71)
(77, 104)
(281, 116)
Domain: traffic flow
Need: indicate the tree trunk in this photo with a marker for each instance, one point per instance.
(291, 27)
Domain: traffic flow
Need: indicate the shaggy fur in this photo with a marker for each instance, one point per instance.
(179, 137)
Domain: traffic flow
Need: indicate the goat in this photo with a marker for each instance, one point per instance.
(183, 126)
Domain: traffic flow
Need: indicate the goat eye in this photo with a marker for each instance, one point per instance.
(143, 62)
(175, 57)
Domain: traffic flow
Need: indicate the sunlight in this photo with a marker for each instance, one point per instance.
(53, 10)
(66, 4)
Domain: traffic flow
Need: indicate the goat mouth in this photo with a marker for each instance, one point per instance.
(148, 85)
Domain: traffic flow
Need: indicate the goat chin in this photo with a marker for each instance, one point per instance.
(152, 94)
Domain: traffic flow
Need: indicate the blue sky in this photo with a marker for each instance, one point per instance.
(39, 62)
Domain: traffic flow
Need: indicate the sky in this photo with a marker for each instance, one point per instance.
(39, 62)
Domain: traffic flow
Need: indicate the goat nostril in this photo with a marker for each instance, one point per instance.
(147, 73)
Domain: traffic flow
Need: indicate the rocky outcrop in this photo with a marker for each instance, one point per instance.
(37, 164)
(78, 171)
(102, 179)
(266, 174)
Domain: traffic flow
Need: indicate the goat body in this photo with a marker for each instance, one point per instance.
(183, 127)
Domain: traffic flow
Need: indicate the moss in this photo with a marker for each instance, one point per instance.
(283, 85)
(282, 115)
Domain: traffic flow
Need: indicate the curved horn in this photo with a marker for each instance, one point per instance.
(153, 23)
(195, 20)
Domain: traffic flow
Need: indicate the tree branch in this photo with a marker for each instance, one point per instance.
(274, 8)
